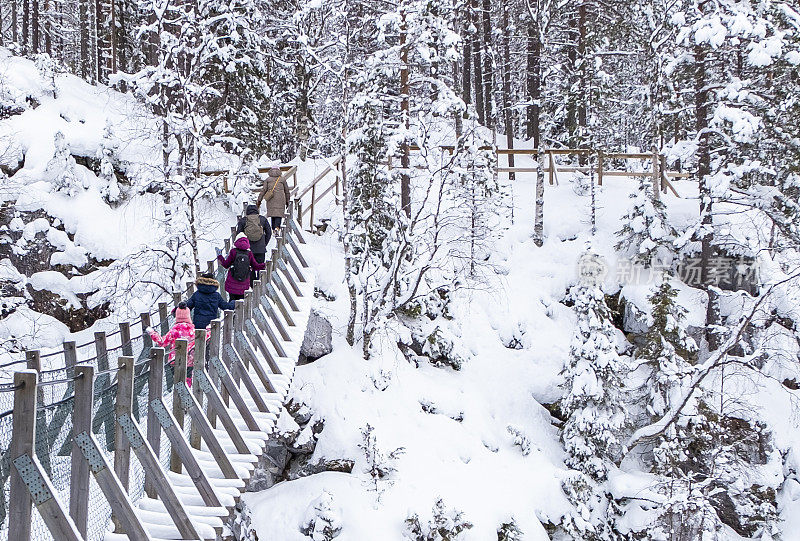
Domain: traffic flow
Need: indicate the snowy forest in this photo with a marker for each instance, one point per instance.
(514, 352)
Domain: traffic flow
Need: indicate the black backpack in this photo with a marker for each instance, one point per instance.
(241, 265)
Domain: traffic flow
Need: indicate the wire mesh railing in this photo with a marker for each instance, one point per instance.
(57, 406)
(54, 415)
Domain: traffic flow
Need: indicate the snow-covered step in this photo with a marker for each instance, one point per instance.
(254, 443)
(200, 511)
(111, 536)
(159, 524)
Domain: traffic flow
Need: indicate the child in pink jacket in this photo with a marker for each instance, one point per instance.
(183, 328)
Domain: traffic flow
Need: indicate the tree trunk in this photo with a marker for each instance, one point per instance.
(405, 162)
(488, 56)
(35, 26)
(477, 64)
(153, 41)
(112, 37)
(83, 19)
(122, 38)
(48, 28)
(538, 219)
(703, 173)
(534, 80)
(25, 19)
(507, 115)
(572, 81)
(302, 113)
(98, 30)
(14, 36)
(466, 74)
(584, 83)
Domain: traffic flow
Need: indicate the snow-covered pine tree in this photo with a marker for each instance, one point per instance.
(237, 69)
(646, 235)
(373, 221)
(666, 349)
(61, 169)
(475, 192)
(108, 146)
(701, 455)
(592, 403)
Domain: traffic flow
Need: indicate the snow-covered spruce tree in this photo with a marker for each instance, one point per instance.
(700, 457)
(475, 193)
(108, 146)
(666, 349)
(445, 525)
(646, 235)
(373, 220)
(61, 170)
(593, 403)
(237, 69)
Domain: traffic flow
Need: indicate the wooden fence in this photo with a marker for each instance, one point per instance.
(330, 179)
(136, 451)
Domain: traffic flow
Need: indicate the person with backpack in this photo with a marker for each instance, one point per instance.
(276, 193)
(258, 232)
(206, 302)
(239, 262)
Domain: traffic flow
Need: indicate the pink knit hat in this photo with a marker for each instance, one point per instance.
(182, 315)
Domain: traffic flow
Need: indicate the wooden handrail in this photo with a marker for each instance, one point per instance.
(321, 176)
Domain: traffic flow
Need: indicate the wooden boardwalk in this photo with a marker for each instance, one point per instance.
(170, 461)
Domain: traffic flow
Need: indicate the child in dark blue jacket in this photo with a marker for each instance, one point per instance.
(206, 302)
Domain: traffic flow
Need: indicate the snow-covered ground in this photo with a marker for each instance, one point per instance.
(479, 438)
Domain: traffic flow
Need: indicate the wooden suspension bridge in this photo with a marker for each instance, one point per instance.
(169, 461)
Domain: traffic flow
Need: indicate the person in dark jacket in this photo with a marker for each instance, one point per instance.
(258, 232)
(233, 286)
(206, 302)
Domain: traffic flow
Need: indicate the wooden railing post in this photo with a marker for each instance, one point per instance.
(81, 422)
(199, 366)
(34, 362)
(551, 168)
(662, 160)
(227, 338)
(23, 439)
(155, 383)
(211, 351)
(176, 298)
(144, 317)
(70, 355)
(656, 175)
(181, 352)
(125, 338)
(163, 315)
(122, 447)
(313, 204)
(124, 406)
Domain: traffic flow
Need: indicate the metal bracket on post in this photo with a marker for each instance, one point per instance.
(203, 382)
(91, 452)
(161, 413)
(183, 395)
(30, 475)
(135, 439)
